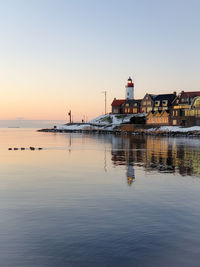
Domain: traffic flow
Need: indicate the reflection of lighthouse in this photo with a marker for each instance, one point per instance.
(122, 154)
(130, 174)
(129, 89)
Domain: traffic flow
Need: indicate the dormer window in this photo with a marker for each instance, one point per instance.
(164, 103)
(157, 103)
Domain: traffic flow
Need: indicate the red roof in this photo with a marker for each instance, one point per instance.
(118, 102)
(191, 94)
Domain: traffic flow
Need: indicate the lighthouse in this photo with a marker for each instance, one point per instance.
(129, 89)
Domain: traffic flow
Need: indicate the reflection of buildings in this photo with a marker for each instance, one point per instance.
(159, 155)
(156, 154)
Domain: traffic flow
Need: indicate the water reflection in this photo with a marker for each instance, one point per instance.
(66, 205)
(168, 155)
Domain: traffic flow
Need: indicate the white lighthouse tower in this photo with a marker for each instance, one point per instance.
(129, 89)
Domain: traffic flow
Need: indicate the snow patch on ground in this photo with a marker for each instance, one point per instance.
(110, 121)
(177, 129)
(106, 122)
(73, 127)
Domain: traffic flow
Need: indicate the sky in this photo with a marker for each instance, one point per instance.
(62, 54)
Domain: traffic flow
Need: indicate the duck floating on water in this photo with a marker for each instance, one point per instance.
(23, 148)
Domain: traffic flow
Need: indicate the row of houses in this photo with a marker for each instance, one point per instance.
(181, 109)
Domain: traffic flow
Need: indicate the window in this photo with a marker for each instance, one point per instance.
(197, 102)
(157, 103)
(164, 103)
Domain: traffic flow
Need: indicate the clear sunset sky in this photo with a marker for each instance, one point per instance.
(60, 55)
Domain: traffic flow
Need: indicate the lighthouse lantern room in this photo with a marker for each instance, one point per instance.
(129, 89)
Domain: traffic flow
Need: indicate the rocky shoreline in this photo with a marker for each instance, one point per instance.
(121, 125)
(143, 132)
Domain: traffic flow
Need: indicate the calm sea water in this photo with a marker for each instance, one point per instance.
(20, 123)
(92, 200)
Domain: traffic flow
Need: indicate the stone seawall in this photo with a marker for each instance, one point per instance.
(135, 131)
